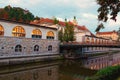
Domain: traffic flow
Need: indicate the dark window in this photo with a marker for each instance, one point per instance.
(50, 37)
(37, 36)
(18, 48)
(36, 48)
(2, 47)
(49, 48)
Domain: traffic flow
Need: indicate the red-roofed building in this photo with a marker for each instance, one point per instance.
(108, 35)
(49, 22)
(80, 31)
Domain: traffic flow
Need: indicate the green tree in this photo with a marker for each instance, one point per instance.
(56, 21)
(107, 7)
(68, 33)
(16, 13)
(60, 35)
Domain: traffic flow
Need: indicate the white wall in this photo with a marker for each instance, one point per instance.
(8, 27)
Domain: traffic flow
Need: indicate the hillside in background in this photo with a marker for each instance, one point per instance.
(16, 14)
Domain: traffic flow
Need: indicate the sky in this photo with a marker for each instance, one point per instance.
(84, 10)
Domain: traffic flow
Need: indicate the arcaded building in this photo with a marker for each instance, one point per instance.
(24, 39)
(108, 35)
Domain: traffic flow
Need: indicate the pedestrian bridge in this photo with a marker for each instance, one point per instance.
(73, 48)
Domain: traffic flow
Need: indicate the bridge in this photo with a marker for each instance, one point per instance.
(81, 48)
(85, 44)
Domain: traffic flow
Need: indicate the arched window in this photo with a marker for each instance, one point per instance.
(1, 30)
(92, 40)
(50, 35)
(36, 33)
(102, 41)
(18, 48)
(87, 40)
(97, 41)
(36, 48)
(50, 48)
(18, 31)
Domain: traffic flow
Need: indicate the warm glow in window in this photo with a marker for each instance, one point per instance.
(1, 30)
(87, 40)
(92, 40)
(50, 35)
(18, 31)
(36, 33)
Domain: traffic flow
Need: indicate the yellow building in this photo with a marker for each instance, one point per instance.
(108, 35)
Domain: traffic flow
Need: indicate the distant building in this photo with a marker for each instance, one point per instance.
(108, 35)
(118, 34)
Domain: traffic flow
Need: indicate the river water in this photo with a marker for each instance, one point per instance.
(59, 70)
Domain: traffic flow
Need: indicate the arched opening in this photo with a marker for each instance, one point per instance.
(18, 48)
(92, 40)
(36, 48)
(36, 33)
(102, 41)
(97, 41)
(50, 48)
(87, 40)
(50, 35)
(1, 30)
(18, 31)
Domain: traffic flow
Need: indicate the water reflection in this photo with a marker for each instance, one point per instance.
(74, 70)
(96, 63)
(39, 72)
(60, 70)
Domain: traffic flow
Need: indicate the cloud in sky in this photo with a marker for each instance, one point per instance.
(84, 10)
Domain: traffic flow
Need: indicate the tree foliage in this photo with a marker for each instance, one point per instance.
(16, 13)
(56, 21)
(67, 34)
(107, 7)
(60, 35)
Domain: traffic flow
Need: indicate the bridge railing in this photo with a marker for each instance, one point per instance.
(84, 43)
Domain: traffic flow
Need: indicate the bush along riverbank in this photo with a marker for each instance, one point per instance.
(109, 73)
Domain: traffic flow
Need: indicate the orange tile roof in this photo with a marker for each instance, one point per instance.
(106, 33)
(82, 28)
(49, 21)
(61, 23)
(42, 21)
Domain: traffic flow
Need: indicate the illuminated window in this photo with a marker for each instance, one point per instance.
(36, 48)
(36, 33)
(49, 48)
(18, 48)
(92, 40)
(18, 31)
(87, 40)
(1, 30)
(50, 35)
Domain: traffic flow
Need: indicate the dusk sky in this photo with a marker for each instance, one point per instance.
(84, 10)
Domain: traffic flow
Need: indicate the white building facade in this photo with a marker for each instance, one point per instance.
(19, 39)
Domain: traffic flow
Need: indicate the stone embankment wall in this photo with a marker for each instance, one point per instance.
(8, 46)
